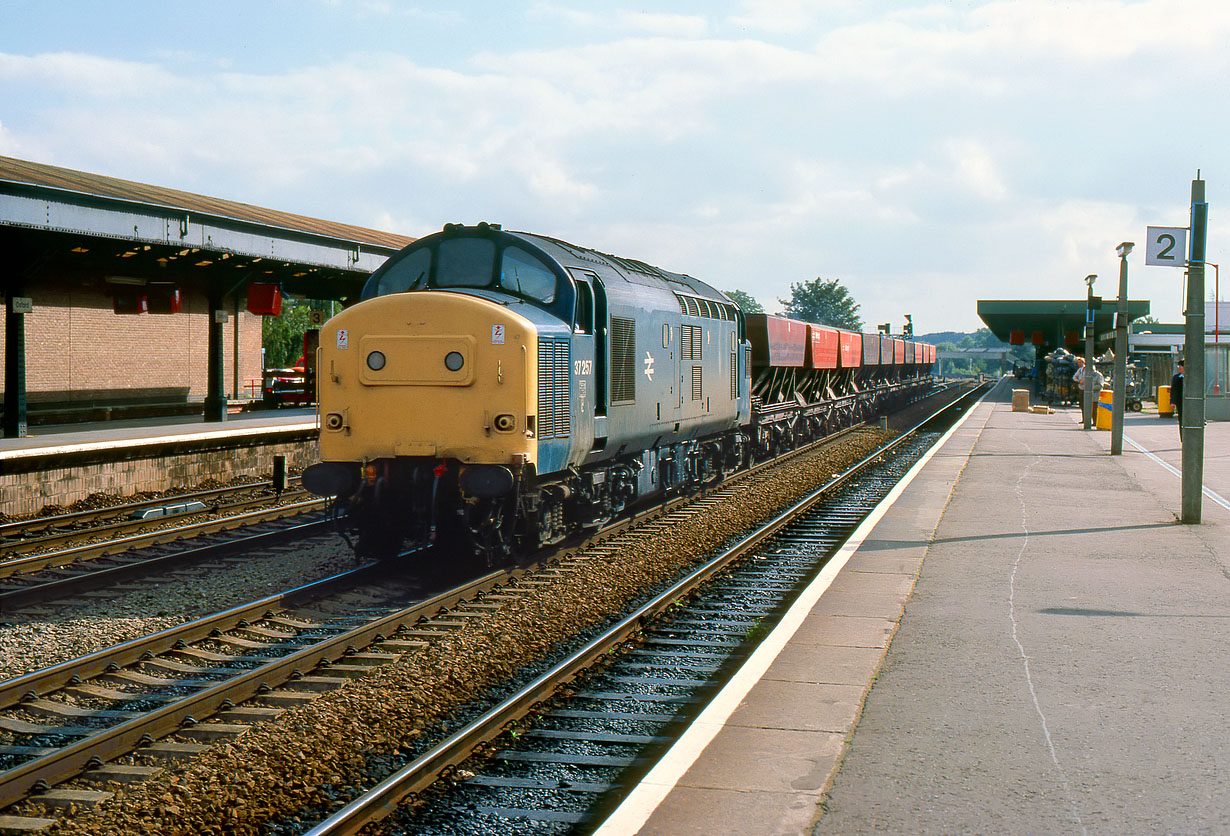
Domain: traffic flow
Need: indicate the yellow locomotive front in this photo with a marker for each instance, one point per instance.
(426, 406)
(442, 375)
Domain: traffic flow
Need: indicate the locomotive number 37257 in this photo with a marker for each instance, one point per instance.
(580, 367)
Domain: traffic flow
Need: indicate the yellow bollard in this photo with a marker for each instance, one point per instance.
(1105, 402)
(1164, 406)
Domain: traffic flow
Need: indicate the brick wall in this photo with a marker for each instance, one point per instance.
(23, 494)
(78, 348)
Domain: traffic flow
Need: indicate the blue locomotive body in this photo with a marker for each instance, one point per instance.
(529, 387)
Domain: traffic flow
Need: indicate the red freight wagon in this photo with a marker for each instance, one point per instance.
(776, 341)
(871, 349)
(920, 353)
(898, 352)
(851, 349)
(822, 347)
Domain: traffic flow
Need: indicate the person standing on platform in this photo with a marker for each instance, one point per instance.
(1176, 395)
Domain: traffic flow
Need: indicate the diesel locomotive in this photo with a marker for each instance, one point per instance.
(503, 390)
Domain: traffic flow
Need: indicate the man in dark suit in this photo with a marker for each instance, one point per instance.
(1176, 395)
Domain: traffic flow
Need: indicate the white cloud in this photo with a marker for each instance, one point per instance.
(975, 168)
(934, 155)
(997, 47)
(661, 24)
(786, 17)
(86, 76)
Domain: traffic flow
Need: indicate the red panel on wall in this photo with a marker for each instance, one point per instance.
(1016, 337)
(163, 299)
(125, 301)
(1037, 339)
(265, 299)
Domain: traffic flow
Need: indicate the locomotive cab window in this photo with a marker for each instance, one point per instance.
(465, 262)
(525, 275)
(584, 323)
(407, 273)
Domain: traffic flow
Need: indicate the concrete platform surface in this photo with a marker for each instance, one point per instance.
(1025, 641)
(61, 438)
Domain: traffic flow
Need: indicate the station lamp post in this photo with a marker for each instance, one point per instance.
(1121, 348)
(1087, 405)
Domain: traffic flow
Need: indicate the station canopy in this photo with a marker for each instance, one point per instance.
(1051, 323)
(63, 221)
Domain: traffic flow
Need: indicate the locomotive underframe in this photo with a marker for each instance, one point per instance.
(499, 511)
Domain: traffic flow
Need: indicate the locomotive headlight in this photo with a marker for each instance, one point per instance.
(375, 361)
(453, 361)
(505, 423)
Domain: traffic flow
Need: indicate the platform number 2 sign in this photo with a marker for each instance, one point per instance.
(1167, 246)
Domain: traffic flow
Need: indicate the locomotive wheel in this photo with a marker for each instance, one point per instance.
(492, 524)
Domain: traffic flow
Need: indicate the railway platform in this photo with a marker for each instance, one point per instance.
(57, 465)
(1021, 640)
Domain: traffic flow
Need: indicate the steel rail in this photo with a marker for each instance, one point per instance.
(15, 527)
(126, 525)
(34, 563)
(109, 743)
(383, 798)
(15, 599)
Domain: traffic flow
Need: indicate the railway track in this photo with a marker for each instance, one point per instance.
(164, 696)
(158, 697)
(518, 768)
(244, 639)
(132, 548)
(16, 532)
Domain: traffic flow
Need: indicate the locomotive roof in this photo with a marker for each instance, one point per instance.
(632, 270)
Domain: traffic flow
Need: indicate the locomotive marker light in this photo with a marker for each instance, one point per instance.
(375, 361)
(453, 361)
(1121, 346)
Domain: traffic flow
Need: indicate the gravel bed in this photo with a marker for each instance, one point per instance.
(315, 756)
(32, 643)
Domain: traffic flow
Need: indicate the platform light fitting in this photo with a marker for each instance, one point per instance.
(1124, 249)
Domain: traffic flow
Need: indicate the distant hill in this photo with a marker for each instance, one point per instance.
(938, 337)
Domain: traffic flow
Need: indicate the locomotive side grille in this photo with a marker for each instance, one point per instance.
(734, 376)
(696, 387)
(623, 359)
(689, 342)
(554, 411)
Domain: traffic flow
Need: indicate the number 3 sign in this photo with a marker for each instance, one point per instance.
(1167, 246)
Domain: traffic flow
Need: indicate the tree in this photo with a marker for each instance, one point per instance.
(746, 303)
(282, 336)
(825, 302)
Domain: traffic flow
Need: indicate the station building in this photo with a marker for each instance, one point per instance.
(1049, 325)
(123, 298)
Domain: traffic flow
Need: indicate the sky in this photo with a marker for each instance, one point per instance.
(925, 154)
